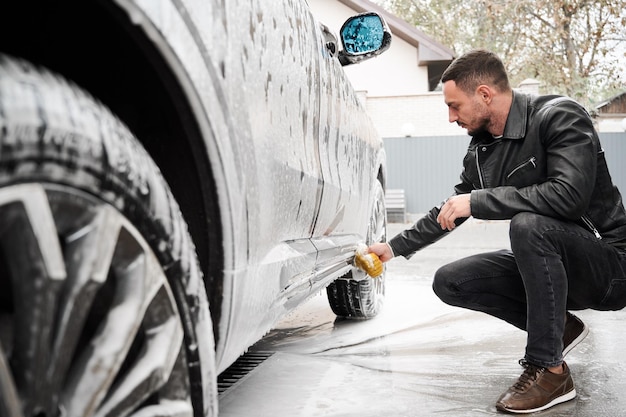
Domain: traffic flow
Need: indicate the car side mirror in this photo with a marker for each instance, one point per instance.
(363, 36)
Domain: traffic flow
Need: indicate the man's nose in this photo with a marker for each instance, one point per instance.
(453, 116)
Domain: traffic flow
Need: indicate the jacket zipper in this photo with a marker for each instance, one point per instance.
(482, 147)
(480, 174)
(591, 226)
(532, 161)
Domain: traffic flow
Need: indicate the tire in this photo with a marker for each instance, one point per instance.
(357, 295)
(103, 311)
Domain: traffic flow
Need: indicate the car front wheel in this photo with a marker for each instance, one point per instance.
(101, 296)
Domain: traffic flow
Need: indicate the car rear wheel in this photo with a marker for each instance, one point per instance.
(357, 295)
(101, 297)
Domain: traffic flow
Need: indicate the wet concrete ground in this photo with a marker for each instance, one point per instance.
(419, 357)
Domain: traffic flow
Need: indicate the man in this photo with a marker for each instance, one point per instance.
(538, 162)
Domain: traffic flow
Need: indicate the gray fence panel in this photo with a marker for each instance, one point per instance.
(614, 145)
(427, 168)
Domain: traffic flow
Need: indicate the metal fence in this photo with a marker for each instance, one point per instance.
(427, 168)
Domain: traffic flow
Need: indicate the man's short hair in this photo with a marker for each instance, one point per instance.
(475, 68)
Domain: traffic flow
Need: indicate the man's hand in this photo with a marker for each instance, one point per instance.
(455, 207)
(382, 250)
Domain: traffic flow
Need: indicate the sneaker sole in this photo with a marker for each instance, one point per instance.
(576, 341)
(563, 398)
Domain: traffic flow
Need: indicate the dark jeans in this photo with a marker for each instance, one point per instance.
(552, 266)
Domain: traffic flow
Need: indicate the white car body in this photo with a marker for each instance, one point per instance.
(281, 160)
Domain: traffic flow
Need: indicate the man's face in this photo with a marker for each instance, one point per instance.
(469, 112)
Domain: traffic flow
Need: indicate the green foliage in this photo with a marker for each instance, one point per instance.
(573, 47)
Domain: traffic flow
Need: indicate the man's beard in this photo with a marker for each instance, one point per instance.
(483, 122)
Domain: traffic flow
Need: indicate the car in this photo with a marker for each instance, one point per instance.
(175, 177)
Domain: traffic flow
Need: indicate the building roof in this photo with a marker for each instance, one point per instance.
(615, 104)
(429, 50)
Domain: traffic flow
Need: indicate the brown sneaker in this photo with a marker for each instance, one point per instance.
(537, 389)
(575, 331)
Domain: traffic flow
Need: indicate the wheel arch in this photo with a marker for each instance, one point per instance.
(95, 45)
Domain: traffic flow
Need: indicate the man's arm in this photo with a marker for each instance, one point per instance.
(423, 233)
(432, 227)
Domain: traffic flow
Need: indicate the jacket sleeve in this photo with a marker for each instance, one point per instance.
(571, 146)
(426, 230)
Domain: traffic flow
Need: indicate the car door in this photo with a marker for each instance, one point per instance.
(275, 58)
(348, 153)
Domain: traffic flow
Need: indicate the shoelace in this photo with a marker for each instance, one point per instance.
(530, 374)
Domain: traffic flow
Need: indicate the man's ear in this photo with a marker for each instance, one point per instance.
(485, 93)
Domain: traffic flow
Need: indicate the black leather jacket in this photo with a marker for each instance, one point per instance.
(549, 161)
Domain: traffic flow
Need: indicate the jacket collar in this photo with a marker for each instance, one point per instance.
(515, 127)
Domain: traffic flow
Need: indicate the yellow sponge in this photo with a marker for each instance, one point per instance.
(368, 262)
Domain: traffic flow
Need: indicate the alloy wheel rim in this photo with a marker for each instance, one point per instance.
(92, 327)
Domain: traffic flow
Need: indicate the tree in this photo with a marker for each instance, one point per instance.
(573, 47)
